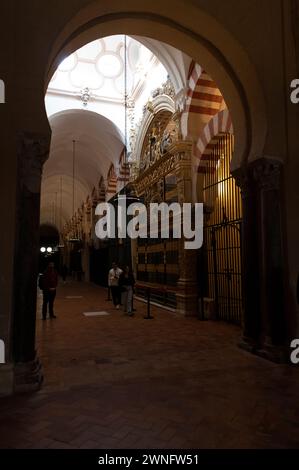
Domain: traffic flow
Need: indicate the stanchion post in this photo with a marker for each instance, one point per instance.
(148, 317)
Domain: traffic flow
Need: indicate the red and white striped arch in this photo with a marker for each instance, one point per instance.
(195, 72)
(111, 183)
(221, 123)
(204, 100)
(102, 191)
(124, 171)
(94, 196)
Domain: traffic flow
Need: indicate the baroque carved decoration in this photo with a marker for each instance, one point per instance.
(85, 96)
(154, 193)
(167, 88)
(159, 138)
(178, 154)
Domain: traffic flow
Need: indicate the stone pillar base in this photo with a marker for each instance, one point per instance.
(248, 344)
(28, 376)
(187, 299)
(6, 379)
(186, 305)
(268, 351)
(273, 353)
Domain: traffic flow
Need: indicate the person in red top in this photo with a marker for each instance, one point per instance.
(48, 285)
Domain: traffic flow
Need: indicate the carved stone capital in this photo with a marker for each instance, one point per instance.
(32, 152)
(267, 173)
(243, 181)
(264, 173)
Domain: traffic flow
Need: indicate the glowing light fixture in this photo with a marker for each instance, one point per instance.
(43, 249)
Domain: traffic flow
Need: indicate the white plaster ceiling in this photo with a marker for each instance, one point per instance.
(100, 66)
(175, 62)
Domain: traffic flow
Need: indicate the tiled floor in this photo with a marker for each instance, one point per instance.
(119, 382)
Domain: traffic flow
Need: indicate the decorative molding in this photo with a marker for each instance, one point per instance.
(167, 89)
(95, 97)
(85, 96)
(152, 108)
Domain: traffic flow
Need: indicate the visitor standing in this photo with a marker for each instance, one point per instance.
(113, 283)
(48, 284)
(126, 282)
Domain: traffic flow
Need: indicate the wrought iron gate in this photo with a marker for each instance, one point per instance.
(223, 232)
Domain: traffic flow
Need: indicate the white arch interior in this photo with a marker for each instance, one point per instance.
(85, 102)
(94, 76)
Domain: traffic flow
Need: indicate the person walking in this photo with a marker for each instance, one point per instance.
(48, 284)
(113, 283)
(126, 282)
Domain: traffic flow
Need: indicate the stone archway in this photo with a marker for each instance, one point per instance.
(220, 123)
(173, 23)
(214, 48)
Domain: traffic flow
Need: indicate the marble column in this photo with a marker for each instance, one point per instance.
(250, 261)
(267, 174)
(265, 321)
(32, 152)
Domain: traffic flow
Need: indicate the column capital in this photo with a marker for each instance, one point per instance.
(243, 181)
(267, 173)
(32, 152)
(263, 173)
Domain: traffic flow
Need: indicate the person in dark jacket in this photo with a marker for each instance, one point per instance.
(48, 284)
(127, 282)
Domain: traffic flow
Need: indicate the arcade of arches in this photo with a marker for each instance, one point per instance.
(205, 117)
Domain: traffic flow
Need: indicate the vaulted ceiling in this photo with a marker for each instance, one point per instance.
(98, 144)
